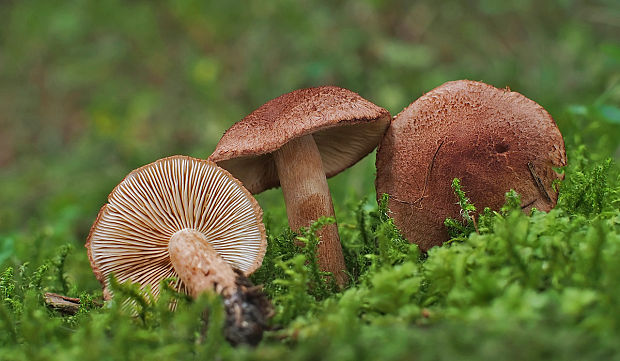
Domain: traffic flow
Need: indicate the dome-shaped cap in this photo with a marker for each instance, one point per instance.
(492, 139)
(131, 234)
(345, 127)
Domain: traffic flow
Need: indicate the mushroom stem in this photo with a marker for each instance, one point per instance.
(198, 264)
(307, 197)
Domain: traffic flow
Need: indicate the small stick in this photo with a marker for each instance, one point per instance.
(62, 304)
(528, 204)
(426, 179)
(473, 220)
(538, 182)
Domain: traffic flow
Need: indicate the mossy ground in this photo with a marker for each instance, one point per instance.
(90, 90)
(524, 287)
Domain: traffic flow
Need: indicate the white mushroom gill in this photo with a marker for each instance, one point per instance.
(345, 145)
(130, 238)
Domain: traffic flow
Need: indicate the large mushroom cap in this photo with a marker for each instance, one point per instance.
(131, 234)
(492, 139)
(344, 125)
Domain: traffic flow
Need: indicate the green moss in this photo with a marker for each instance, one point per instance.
(539, 283)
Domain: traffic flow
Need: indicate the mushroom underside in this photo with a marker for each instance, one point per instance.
(340, 147)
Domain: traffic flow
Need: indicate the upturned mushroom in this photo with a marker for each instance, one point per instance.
(494, 140)
(188, 219)
(298, 140)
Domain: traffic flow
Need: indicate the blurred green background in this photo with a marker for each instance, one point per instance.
(90, 90)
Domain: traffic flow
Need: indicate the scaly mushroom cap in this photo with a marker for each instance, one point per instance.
(345, 127)
(131, 234)
(492, 139)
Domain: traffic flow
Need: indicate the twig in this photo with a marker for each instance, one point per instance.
(528, 204)
(62, 304)
(426, 179)
(538, 182)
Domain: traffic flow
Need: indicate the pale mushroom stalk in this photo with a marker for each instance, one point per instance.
(202, 270)
(198, 264)
(307, 198)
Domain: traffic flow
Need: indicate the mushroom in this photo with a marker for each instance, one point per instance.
(296, 141)
(494, 140)
(185, 218)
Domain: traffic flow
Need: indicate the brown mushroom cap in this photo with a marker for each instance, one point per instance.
(345, 127)
(131, 234)
(492, 139)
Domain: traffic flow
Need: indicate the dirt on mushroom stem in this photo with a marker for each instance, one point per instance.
(247, 312)
(202, 270)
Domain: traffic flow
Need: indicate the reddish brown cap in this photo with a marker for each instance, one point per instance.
(344, 125)
(492, 139)
(131, 234)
